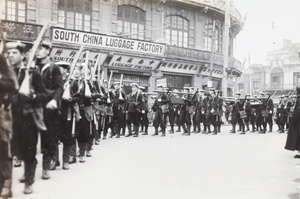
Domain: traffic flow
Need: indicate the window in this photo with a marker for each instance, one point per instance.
(14, 10)
(241, 87)
(276, 80)
(256, 87)
(178, 82)
(296, 79)
(213, 33)
(75, 14)
(177, 29)
(131, 22)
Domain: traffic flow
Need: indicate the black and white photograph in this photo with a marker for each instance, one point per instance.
(150, 99)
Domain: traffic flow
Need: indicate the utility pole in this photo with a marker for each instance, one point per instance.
(225, 46)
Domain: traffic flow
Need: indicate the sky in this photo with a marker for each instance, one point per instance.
(268, 22)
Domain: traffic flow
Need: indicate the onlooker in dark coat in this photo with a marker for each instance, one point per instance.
(293, 138)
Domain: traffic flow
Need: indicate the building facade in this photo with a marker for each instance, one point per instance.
(279, 75)
(179, 42)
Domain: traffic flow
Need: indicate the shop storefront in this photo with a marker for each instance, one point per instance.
(196, 68)
(134, 70)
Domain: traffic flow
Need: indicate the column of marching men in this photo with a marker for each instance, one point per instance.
(75, 106)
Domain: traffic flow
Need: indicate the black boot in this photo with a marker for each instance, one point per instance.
(215, 130)
(118, 132)
(188, 130)
(281, 129)
(156, 131)
(163, 130)
(142, 128)
(179, 128)
(243, 130)
(247, 125)
(199, 128)
(261, 130)
(204, 130)
(233, 128)
(184, 129)
(265, 127)
(172, 130)
(194, 129)
(104, 134)
(271, 129)
(136, 131)
(208, 129)
(253, 128)
(146, 130)
(129, 130)
(123, 130)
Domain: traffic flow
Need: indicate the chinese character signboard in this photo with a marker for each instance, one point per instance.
(129, 62)
(20, 31)
(199, 55)
(188, 68)
(68, 55)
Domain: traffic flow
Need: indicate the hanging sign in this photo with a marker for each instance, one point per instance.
(68, 55)
(104, 41)
(188, 68)
(139, 63)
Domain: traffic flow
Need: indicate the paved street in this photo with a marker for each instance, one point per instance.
(175, 167)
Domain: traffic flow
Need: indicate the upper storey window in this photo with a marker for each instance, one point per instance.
(131, 22)
(14, 10)
(213, 33)
(177, 30)
(75, 14)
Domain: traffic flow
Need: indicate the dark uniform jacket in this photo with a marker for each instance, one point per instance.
(135, 99)
(293, 138)
(52, 78)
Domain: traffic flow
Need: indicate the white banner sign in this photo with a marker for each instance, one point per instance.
(133, 62)
(68, 55)
(162, 82)
(69, 36)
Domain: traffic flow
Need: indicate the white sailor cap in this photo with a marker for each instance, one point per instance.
(134, 84)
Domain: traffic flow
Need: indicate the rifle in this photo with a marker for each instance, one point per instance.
(120, 90)
(25, 87)
(95, 68)
(67, 93)
(110, 77)
(195, 94)
(87, 90)
(289, 98)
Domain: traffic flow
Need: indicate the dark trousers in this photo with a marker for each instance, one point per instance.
(82, 147)
(171, 116)
(5, 166)
(132, 119)
(92, 136)
(159, 119)
(66, 153)
(49, 138)
(24, 144)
